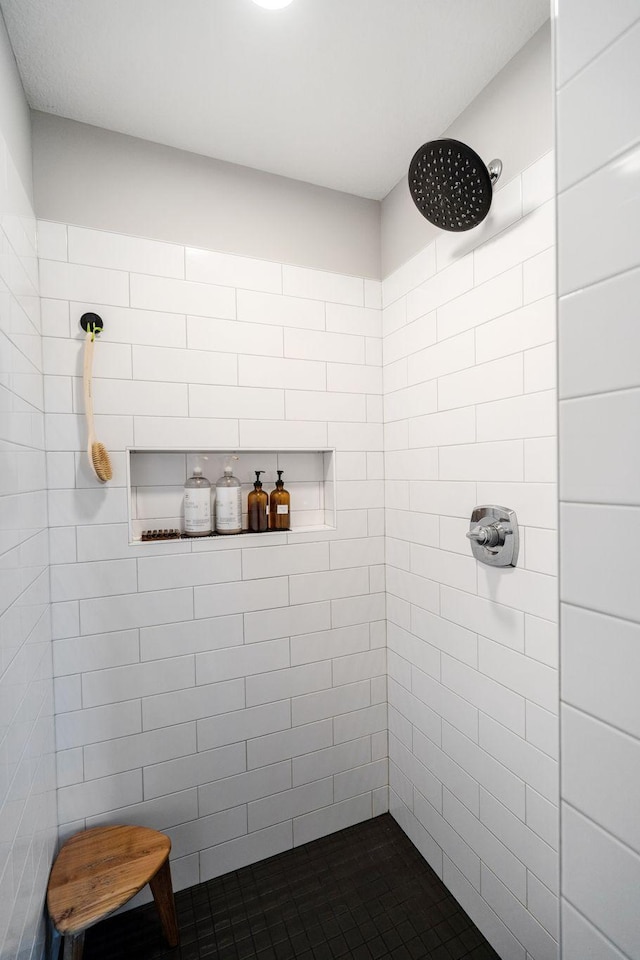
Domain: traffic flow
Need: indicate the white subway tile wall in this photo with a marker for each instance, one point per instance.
(28, 815)
(469, 376)
(597, 57)
(231, 693)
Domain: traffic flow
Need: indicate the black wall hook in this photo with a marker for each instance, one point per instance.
(91, 323)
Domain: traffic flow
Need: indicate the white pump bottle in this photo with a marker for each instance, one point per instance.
(228, 502)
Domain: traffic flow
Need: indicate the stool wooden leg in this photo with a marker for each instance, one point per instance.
(163, 895)
(73, 946)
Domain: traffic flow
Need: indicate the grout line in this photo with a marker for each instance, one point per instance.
(599, 504)
(595, 57)
(605, 830)
(615, 392)
(566, 704)
(590, 923)
(601, 168)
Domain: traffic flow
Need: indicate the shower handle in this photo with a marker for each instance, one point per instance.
(491, 535)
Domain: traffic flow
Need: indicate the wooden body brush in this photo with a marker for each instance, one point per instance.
(96, 452)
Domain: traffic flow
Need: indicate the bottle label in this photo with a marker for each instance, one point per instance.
(228, 508)
(197, 510)
(282, 508)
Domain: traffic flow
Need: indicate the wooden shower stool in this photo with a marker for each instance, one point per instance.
(101, 869)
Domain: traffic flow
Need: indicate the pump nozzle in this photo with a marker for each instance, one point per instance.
(258, 481)
(198, 469)
(228, 467)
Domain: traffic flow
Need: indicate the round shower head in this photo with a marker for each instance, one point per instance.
(450, 184)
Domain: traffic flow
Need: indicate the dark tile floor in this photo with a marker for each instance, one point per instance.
(364, 893)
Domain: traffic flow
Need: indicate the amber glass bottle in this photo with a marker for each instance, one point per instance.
(258, 507)
(280, 506)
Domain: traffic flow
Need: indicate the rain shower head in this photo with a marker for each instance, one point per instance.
(450, 185)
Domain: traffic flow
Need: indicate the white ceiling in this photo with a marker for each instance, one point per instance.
(335, 92)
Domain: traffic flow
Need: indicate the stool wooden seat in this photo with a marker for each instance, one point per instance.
(101, 869)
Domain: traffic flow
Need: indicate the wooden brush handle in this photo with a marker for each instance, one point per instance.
(88, 395)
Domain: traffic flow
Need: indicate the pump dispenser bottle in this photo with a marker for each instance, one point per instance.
(228, 502)
(197, 505)
(280, 506)
(258, 506)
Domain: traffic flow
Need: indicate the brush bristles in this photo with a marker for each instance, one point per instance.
(101, 462)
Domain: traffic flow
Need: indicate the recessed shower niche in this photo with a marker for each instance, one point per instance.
(155, 487)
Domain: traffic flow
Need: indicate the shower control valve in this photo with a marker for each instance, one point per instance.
(494, 536)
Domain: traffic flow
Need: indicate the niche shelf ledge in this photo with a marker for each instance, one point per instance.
(155, 492)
